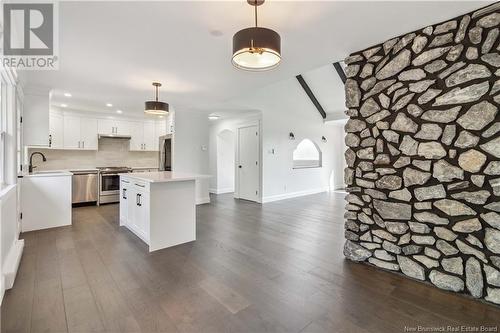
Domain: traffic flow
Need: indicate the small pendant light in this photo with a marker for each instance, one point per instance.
(156, 107)
(256, 48)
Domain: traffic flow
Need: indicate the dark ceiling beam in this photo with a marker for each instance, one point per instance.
(311, 96)
(340, 71)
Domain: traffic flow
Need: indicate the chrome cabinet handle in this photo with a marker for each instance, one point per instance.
(124, 196)
(83, 144)
(79, 144)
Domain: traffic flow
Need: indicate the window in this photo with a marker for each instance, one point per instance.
(19, 131)
(3, 129)
(306, 155)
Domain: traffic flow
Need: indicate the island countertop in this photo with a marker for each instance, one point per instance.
(163, 176)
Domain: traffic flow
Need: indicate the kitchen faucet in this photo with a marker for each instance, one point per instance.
(31, 167)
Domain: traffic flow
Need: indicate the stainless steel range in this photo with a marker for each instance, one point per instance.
(109, 183)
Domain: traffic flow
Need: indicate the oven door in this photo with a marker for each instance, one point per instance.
(110, 184)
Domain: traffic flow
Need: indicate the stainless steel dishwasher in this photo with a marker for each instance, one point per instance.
(84, 189)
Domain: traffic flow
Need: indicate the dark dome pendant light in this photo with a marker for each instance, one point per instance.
(256, 48)
(156, 107)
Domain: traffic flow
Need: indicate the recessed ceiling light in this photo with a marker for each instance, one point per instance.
(119, 111)
(213, 117)
(64, 105)
(109, 105)
(67, 95)
(160, 116)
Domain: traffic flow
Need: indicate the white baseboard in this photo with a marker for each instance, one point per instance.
(221, 190)
(11, 264)
(201, 201)
(290, 195)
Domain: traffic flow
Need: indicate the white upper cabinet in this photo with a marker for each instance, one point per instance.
(56, 130)
(160, 130)
(68, 129)
(170, 125)
(71, 132)
(80, 132)
(150, 137)
(36, 107)
(88, 133)
(137, 134)
(143, 136)
(114, 126)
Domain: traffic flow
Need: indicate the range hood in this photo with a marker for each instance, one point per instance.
(114, 136)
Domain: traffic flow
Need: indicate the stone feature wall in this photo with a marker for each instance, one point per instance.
(423, 171)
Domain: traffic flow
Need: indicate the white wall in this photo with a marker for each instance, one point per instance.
(286, 108)
(190, 148)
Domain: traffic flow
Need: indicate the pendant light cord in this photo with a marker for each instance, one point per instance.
(255, 5)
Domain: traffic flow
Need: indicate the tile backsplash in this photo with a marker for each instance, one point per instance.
(112, 152)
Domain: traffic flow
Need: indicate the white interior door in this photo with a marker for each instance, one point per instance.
(248, 163)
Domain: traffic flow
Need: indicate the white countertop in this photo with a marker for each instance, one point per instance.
(163, 176)
(141, 168)
(50, 173)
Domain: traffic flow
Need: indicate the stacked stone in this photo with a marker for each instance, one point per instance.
(423, 160)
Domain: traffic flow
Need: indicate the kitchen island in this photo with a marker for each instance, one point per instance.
(159, 207)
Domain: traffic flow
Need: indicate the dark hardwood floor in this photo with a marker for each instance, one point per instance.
(272, 268)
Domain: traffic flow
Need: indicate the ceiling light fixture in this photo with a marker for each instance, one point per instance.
(67, 95)
(64, 105)
(256, 48)
(109, 105)
(213, 117)
(119, 111)
(156, 107)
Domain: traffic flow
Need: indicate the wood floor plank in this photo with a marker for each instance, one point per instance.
(81, 310)
(48, 307)
(231, 300)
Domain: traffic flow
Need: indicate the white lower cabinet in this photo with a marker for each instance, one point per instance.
(135, 208)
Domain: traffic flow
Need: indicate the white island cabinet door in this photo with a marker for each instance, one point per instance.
(141, 216)
(88, 133)
(72, 132)
(124, 201)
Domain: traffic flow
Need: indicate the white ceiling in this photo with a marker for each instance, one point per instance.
(112, 51)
